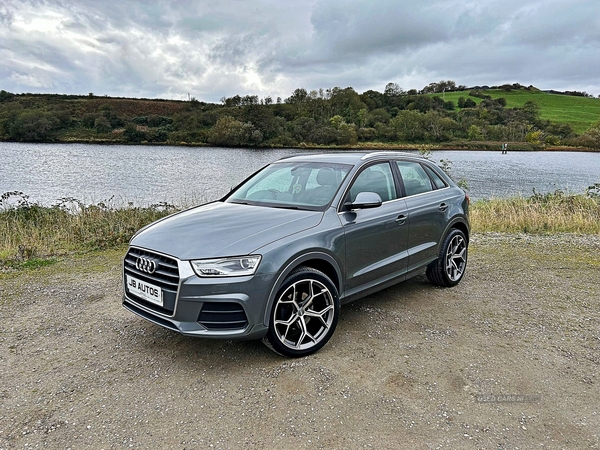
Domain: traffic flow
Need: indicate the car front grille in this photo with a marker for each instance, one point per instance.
(222, 316)
(166, 276)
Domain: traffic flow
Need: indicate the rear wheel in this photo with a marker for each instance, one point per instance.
(304, 314)
(448, 269)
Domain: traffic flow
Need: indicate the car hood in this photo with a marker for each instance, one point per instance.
(223, 229)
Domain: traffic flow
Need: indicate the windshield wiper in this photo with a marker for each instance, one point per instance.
(297, 208)
(238, 202)
(270, 205)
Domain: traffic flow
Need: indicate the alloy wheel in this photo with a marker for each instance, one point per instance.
(456, 258)
(304, 314)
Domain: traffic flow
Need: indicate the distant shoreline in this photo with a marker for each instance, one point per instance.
(377, 146)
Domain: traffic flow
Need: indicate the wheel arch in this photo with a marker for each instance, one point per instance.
(320, 261)
(460, 225)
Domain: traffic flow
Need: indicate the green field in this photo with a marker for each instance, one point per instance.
(579, 112)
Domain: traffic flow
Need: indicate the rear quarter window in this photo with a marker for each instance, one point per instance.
(437, 181)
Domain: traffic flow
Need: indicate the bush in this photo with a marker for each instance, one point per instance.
(230, 132)
(32, 126)
(102, 125)
(134, 134)
(469, 103)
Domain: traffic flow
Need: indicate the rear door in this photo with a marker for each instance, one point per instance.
(426, 201)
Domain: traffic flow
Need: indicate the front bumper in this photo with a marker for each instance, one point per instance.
(227, 308)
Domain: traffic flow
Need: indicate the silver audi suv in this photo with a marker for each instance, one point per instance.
(277, 256)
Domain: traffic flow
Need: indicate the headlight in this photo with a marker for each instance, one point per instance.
(226, 267)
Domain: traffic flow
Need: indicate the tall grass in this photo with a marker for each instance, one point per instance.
(31, 234)
(555, 212)
(32, 231)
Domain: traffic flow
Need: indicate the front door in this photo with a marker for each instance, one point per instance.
(376, 238)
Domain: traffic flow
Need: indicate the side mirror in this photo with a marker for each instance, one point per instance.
(365, 200)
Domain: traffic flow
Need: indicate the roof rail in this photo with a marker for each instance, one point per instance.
(390, 153)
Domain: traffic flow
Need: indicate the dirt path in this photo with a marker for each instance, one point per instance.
(508, 359)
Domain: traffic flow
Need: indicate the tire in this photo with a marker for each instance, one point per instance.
(304, 314)
(448, 269)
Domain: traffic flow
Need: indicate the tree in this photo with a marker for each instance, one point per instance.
(560, 130)
(438, 127)
(346, 134)
(372, 99)
(408, 125)
(534, 137)
(393, 96)
(422, 103)
(531, 111)
(298, 96)
(249, 100)
(108, 112)
(324, 135)
(5, 95)
(32, 126)
(263, 120)
(474, 133)
(299, 99)
(392, 90)
(134, 133)
(236, 100)
(346, 103)
(362, 117)
(89, 120)
(303, 128)
(379, 115)
(230, 132)
(441, 86)
(591, 137)
(102, 125)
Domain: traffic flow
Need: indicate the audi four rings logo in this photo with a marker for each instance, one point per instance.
(146, 265)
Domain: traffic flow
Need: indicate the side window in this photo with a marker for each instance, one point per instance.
(437, 181)
(376, 178)
(414, 177)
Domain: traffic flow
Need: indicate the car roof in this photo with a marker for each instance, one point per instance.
(349, 157)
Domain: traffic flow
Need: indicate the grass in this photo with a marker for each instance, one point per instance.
(579, 112)
(31, 233)
(34, 236)
(541, 213)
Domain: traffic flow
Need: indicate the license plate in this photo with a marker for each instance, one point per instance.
(147, 291)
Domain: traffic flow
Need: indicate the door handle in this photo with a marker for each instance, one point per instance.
(443, 207)
(401, 219)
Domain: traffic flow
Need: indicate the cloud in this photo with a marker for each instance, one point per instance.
(212, 49)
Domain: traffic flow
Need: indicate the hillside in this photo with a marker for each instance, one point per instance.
(578, 112)
(525, 117)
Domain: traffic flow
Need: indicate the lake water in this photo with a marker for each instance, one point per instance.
(189, 175)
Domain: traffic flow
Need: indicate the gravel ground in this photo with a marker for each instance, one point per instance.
(507, 359)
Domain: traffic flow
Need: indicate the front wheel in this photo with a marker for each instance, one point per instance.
(304, 314)
(448, 269)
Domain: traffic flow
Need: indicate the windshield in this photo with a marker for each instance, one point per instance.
(289, 184)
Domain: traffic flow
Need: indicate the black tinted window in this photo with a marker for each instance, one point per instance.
(437, 181)
(414, 177)
(376, 178)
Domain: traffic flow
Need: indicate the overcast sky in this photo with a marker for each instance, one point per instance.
(215, 48)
